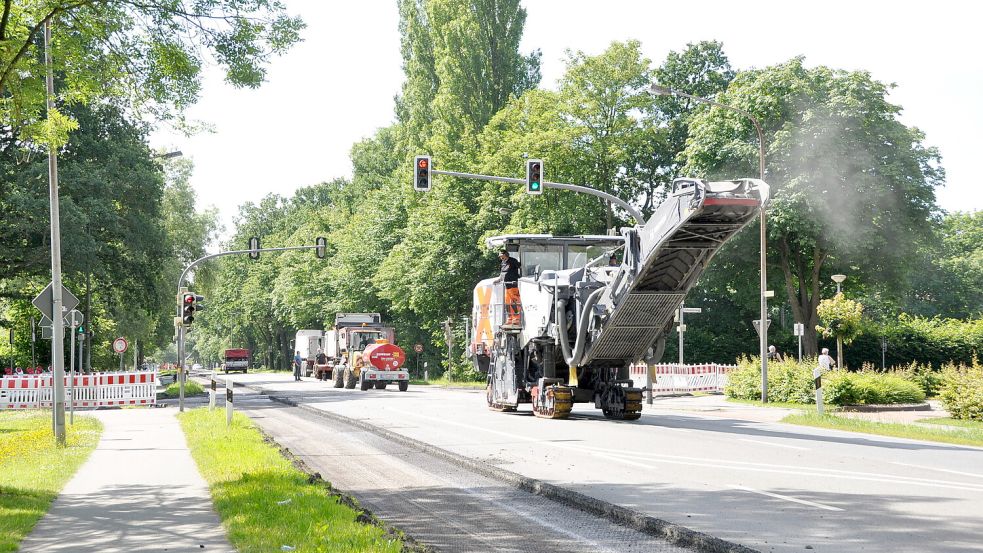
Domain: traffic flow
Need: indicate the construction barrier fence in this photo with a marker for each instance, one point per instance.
(676, 378)
(89, 390)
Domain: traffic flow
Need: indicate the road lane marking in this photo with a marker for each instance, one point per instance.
(657, 458)
(938, 469)
(786, 498)
(774, 444)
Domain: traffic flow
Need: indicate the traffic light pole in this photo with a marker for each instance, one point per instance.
(636, 214)
(180, 327)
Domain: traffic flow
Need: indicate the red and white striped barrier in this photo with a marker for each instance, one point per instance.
(675, 378)
(90, 390)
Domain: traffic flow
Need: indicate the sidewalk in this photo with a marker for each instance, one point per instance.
(139, 491)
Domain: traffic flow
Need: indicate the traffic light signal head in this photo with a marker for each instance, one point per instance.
(421, 173)
(189, 305)
(534, 176)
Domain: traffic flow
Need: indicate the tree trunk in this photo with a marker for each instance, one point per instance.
(802, 289)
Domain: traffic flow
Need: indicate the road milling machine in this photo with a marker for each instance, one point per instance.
(593, 305)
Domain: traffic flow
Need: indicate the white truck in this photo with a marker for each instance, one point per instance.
(308, 342)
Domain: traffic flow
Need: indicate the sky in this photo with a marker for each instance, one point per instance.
(337, 86)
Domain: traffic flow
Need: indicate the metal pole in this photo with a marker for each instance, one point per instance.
(57, 323)
(180, 368)
(681, 327)
(71, 377)
(34, 359)
(800, 348)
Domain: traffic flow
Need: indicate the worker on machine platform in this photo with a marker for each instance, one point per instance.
(510, 277)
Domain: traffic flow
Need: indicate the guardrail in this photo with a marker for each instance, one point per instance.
(676, 378)
(90, 390)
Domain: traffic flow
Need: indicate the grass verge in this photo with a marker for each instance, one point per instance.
(962, 436)
(443, 382)
(263, 500)
(33, 469)
(191, 388)
(948, 421)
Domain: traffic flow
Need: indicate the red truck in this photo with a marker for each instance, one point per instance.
(236, 359)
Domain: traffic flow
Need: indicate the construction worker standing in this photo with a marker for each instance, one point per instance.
(510, 277)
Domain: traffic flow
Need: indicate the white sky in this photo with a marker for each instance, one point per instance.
(337, 86)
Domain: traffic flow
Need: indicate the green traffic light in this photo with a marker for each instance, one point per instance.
(535, 186)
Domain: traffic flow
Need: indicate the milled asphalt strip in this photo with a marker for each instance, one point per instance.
(671, 532)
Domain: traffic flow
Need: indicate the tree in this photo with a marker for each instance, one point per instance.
(852, 187)
(146, 52)
(841, 319)
(948, 280)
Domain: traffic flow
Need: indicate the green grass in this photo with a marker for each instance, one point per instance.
(33, 469)
(248, 477)
(967, 436)
(442, 381)
(947, 421)
(191, 388)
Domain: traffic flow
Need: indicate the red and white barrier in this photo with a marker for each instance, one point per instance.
(675, 378)
(90, 390)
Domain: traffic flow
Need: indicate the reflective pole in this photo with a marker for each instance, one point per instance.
(71, 376)
(57, 323)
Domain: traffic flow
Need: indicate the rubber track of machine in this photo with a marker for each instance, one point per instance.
(559, 402)
(497, 406)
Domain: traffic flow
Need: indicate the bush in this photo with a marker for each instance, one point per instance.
(927, 378)
(788, 381)
(962, 390)
(935, 342)
(791, 382)
(191, 388)
(870, 388)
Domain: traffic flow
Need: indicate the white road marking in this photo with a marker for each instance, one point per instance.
(774, 444)
(938, 469)
(786, 498)
(657, 458)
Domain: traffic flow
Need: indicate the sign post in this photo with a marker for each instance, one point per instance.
(119, 346)
(74, 320)
(55, 301)
(682, 326)
(228, 403)
(799, 330)
(817, 375)
(418, 348)
(883, 352)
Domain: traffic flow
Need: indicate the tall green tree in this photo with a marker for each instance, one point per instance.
(853, 187)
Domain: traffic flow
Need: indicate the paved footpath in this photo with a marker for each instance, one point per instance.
(139, 491)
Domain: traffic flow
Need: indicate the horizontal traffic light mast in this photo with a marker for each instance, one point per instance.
(635, 213)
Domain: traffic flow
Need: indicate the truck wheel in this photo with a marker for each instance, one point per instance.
(365, 385)
(349, 379)
(404, 385)
(338, 376)
(380, 385)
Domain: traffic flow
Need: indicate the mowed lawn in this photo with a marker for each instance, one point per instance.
(264, 501)
(33, 469)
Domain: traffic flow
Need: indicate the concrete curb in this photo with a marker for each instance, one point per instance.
(887, 408)
(671, 532)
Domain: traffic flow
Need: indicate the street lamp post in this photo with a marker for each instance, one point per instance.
(838, 279)
(763, 326)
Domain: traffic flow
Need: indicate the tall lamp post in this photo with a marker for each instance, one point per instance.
(838, 279)
(763, 326)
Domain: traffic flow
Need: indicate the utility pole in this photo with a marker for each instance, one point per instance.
(57, 322)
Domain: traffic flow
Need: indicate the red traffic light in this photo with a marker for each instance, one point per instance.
(189, 299)
(423, 163)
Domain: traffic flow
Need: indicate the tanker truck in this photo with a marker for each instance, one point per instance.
(593, 305)
(353, 355)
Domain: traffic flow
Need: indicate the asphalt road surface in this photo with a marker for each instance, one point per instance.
(765, 485)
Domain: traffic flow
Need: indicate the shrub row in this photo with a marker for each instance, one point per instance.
(792, 382)
(962, 390)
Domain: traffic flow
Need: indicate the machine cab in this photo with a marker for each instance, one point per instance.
(543, 258)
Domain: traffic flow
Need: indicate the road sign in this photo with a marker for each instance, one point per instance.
(47, 332)
(757, 325)
(798, 329)
(418, 348)
(254, 246)
(120, 345)
(44, 302)
(45, 322)
(74, 318)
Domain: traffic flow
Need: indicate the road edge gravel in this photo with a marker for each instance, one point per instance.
(669, 531)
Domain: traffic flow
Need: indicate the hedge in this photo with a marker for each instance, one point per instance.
(934, 342)
(792, 382)
(962, 390)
